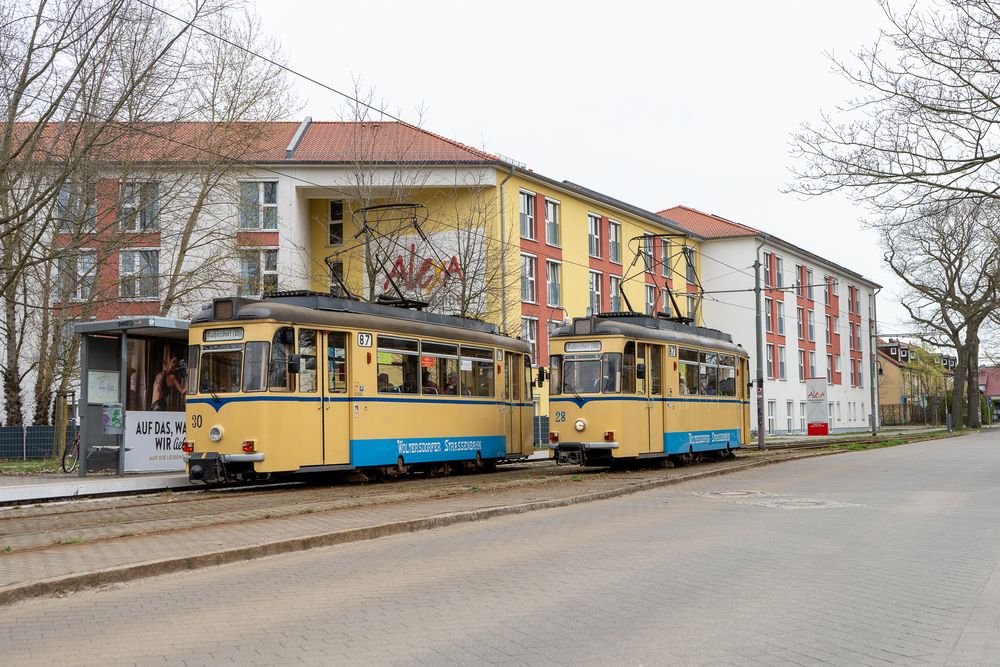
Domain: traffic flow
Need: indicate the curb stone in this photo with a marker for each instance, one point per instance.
(125, 573)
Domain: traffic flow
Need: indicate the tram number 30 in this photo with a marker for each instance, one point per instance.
(364, 340)
(560, 416)
(195, 421)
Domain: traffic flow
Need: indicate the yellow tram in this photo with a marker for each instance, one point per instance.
(625, 386)
(302, 382)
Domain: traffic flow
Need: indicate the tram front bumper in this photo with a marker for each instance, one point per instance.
(576, 453)
(213, 467)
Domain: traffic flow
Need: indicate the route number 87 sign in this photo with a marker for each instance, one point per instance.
(364, 340)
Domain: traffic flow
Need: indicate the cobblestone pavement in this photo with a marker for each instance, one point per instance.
(881, 557)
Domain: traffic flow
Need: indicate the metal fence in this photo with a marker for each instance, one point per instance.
(911, 415)
(30, 442)
(541, 430)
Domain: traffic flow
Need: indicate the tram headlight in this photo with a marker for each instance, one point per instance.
(579, 424)
(215, 434)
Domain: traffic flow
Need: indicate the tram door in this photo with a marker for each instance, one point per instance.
(654, 371)
(336, 403)
(512, 396)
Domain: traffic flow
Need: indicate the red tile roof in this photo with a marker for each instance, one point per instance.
(706, 225)
(990, 376)
(267, 143)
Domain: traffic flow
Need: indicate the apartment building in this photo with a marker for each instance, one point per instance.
(817, 321)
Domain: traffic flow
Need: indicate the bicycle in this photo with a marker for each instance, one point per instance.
(71, 456)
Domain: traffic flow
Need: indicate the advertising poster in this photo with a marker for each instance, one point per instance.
(155, 421)
(816, 407)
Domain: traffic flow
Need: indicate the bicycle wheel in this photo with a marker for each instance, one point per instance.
(71, 456)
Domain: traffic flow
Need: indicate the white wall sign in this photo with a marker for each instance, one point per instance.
(816, 410)
(153, 441)
(102, 387)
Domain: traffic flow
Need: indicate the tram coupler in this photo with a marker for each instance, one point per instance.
(206, 467)
(569, 457)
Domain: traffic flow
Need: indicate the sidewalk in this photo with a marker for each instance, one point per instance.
(73, 558)
(779, 441)
(21, 488)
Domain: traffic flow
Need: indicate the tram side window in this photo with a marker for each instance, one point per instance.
(255, 366)
(628, 369)
(438, 368)
(528, 379)
(220, 368)
(308, 373)
(687, 368)
(398, 365)
(640, 368)
(336, 363)
(194, 353)
(282, 345)
(477, 372)
(727, 375)
(555, 374)
(656, 370)
(709, 374)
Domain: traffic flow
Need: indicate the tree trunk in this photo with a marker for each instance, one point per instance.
(13, 402)
(972, 383)
(958, 388)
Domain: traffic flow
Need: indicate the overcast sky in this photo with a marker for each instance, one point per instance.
(657, 104)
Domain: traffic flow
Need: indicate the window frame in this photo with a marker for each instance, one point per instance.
(137, 276)
(594, 235)
(142, 209)
(260, 205)
(529, 281)
(527, 218)
(262, 270)
(556, 223)
(556, 267)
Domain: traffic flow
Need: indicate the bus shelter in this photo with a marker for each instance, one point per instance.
(133, 373)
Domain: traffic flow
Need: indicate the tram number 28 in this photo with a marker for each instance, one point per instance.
(560, 416)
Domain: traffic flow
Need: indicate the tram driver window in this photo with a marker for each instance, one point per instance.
(555, 374)
(687, 368)
(612, 369)
(336, 363)
(194, 354)
(282, 346)
(628, 369)
(308, 373)
(727, 375)
(476, 371)
(709, 380)
(398, 365)
(255, 366)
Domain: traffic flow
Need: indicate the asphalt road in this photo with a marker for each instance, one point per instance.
(881, 557)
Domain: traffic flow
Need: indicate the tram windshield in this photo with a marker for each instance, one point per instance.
(592, 373)
(220, 368)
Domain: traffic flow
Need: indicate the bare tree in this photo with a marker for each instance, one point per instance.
(949, 259)
(925, 127)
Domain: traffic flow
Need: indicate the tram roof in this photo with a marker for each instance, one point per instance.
(643, 326)
(321, 309)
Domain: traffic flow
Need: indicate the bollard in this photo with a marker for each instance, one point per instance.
(949, 423)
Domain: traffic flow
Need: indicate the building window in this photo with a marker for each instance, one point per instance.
(140, 207)
(802, 416)
(615, 290)
(77, 275)
(614, 242)
(258, 271)
(692, 309)
(779, 279)
(528, 278)
(594, 235)
(781, 362)
(770, 361)
(336, 278)
(595, 292)
(798, 281)
(527, 216)
(802, 366)
(860, 373)
(140, 274)
(665, 253)
(336, 223)
(829, 323)
(800, 322)
(829, 369)
(552, 222)
(666, 302)
(836, 364)
(767, 269)
(650, 299)
(812, 325)
(781, 318)
(812, 364)
(850, 336)
(529, 333)
(76, 207)
(771, 408)
(809, 283)
(768, 319)
(647, 253)
(259, 205)
(691, 276)
(853, 377)
(553, 283)
(789, 415)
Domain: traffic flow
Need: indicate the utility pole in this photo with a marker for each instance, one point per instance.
(760, 353)
(872, 357)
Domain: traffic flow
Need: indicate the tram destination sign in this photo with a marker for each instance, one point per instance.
(216, 335)
(583, 346)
